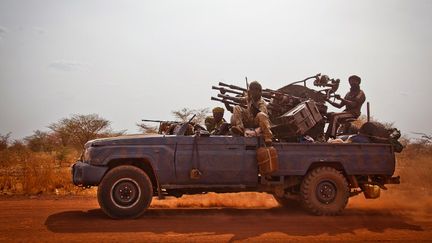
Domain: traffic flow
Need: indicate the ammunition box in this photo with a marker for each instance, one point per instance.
(298, 120)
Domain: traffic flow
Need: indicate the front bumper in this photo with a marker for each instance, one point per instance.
(87, 175)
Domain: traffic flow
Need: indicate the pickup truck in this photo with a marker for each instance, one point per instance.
(130, 170)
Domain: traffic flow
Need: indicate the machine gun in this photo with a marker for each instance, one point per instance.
(325, 81)
(159, 121)
(224, 90)
(230, 101)
(227, 101)
(164, 126)
(278, 102)
(233, 87)
(238, 100)
(281, 103)
(294, 110)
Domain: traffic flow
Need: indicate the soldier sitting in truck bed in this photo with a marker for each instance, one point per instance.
(254, 115)
(216, 124)
(353, 102)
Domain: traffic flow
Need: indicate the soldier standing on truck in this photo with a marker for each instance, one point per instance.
(254, 115)
(215, 123)
(353, 102)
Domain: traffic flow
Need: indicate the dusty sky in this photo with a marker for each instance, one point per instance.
(128, 60)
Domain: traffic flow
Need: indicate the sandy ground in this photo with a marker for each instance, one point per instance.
(80, 219)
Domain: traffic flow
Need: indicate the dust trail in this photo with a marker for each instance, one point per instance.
(412, 196)
(235, 200)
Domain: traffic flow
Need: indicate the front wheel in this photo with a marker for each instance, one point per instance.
(324, 191)
(125, 192)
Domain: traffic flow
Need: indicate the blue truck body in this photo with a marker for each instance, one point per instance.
(228, 164)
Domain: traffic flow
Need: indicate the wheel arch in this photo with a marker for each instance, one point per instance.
(142, 163)
(334, 164)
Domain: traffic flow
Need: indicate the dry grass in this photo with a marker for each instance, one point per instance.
(40, 173)
(34, 173)
(414, 165)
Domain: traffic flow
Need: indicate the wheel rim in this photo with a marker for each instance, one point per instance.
(125, 193)
(326, 192)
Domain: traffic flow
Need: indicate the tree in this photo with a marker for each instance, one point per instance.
(18, 146)
(424, 139)
(4, 141)
(185, 114)
(42, 141)
(79, 129)
(146, 129)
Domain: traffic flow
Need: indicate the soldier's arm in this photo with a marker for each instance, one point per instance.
(228, 107)
(262, 106)
(243, 100)
(337, 105)
(358, 100)
(349, 102)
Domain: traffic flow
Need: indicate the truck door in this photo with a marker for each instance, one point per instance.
(219, 159)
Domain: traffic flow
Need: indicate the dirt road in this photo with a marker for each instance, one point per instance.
(80, 219)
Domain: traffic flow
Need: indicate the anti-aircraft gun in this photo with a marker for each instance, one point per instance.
(311, 121)
(294, 110)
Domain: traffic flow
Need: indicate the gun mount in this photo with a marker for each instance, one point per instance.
(295, 100)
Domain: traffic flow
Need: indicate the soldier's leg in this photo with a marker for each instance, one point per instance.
(330, 126)
(334, 123)
(264, 123)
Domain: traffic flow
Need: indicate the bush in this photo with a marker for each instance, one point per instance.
(27, 172)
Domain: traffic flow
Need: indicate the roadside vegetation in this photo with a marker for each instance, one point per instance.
(40, 163)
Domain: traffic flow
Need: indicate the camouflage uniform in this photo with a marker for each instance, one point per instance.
(244, 117)
(212, 125)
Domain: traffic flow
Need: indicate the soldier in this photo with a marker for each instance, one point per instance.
(215, 123)
(255, 115)
(353, 102)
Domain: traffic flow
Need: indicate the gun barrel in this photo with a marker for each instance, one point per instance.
(227, 97)
(267, 95)
(275, 93)
(232, 86)
(224, 90)
(148, 120)
(158, 121)
(266, 99)
(226, 101)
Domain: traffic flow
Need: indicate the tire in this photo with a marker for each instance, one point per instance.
(287, 203)
(125, 192)
(324, 191)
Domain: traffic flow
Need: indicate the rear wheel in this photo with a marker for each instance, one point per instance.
(325, 191)
(125, 192)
